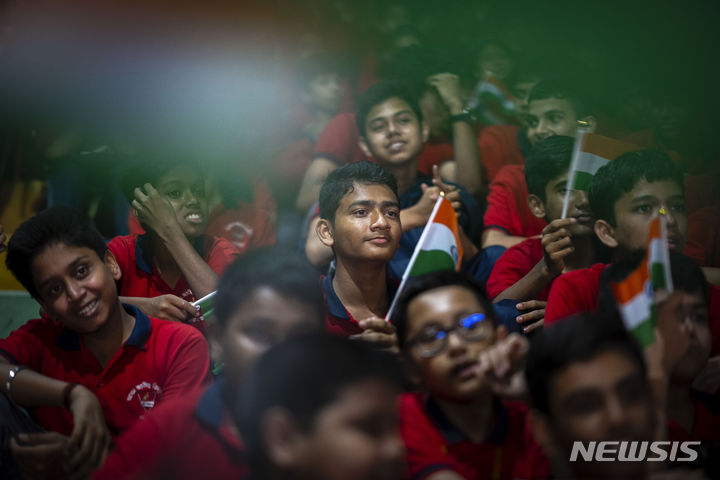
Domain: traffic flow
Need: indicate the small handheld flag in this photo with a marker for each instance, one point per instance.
(439, 247)
(207, 305)
(637, 294)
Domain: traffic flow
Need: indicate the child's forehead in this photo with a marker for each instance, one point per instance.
(374, 192)
(388, 107)
(541, 106)
(664, 188)
(182, 174)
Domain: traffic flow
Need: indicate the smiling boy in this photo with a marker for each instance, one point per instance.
(173, 264)
(91, 367)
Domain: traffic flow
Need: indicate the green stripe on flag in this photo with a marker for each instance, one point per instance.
(431, 261)
(582, 181)
(645, 332)
(657, 276)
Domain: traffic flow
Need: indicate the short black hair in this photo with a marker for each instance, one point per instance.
(56, 225)
(578, 338)
(381, 92)
(686, 276)
(148, 167)
(549, 159)
(341, 181)
(430, 281)
(285, 272)
(621, 175)
(304, 375)
(562, 89)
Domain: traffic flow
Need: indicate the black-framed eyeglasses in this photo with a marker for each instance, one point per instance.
(433, 338)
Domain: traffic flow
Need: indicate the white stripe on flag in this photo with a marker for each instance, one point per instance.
(637, 310)
(591, 163)
(439, 236)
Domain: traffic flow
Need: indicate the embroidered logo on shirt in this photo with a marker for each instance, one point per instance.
(147, 394)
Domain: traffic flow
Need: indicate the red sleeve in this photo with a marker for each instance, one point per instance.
(122, 249)
(507, 202)
(339, 140)
(573, 292)
(513, 265)
(221, 254)
(26, 345)
(434, 154)
(186, 357)
(424, 448)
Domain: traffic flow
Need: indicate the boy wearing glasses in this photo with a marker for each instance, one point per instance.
(462, 426)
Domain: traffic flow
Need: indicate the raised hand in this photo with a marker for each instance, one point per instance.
(535, 316)
(557, 244)
(379, 332)
(155, 211)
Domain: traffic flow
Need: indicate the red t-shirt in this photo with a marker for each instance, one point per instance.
(160, 360)
(703, 243)
(189, 437)
(507, 207)
(513, 265)
(434, 444)
(574, 292)
(706, 425)
(498, 146)
(140, 277)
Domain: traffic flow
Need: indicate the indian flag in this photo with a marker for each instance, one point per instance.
(591, 152)
(438, 248)
(635, 294)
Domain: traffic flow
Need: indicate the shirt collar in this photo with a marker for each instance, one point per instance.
(143, 251)
(335, 306)
(453, 435)
(70, 339)
(211, 407)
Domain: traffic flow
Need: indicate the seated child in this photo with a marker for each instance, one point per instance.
(91, 367)
(625, 196)
(462, 428)
(262, 298)
(323, 408)
(173, 264)
(553, 109)
(525, 272)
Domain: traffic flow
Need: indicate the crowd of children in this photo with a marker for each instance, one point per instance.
(313, 358)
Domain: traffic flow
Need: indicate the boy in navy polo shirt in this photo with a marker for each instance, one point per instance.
(262, 298)
(461, 427)
(91, 367)
(522, 276)
(343, 428)
(173, 264)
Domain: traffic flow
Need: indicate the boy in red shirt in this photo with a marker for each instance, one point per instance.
(92, 366)
(626, 196)
(173, 264)
(554, 108)
(342, 428)
(262, 298)
(525, 272)
(462, 428)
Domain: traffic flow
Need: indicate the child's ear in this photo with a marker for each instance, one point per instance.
(537, 206)
(324, 232)
(364, 147)
(606, 233)
(425, 128)
(282, 438)
(591, 123)
(113, 265)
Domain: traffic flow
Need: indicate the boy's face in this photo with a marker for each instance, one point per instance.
(602, 399)
(325, 92)
(635, 211)
(75, 286)
(690, 309)
(552, 208)
(355, 437)
(185, 190)
(367, 224)
(393, 134)
(548, 117)
(450, 373)
(263, 320)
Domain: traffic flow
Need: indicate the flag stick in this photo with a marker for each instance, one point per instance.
(415, 254)
(577, 151)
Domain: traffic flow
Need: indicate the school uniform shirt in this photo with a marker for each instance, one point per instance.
(706, 421)
(140, 277)
(160, 360)
(190, 437)
(513, 265)
(338, 320)
(507, 207)
(574, 292)
(434, 444)
(500, 145)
